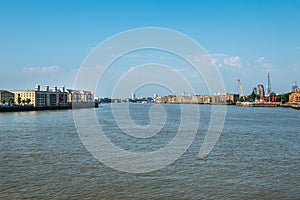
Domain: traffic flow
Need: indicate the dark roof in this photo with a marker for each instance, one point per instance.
(5, 91)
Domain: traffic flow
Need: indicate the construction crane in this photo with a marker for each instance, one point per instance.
(242, 91)
(268, 85)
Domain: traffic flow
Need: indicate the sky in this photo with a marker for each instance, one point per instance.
(46, 42)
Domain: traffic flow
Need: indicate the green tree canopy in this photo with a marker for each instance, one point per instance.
(27, 100)
(19, 99)
(10, 100)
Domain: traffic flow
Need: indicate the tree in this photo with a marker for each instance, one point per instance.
(27, 100)
(241, 99)
(19, 99)
(229, 102)
(252, 96)
(23, 101)
(10, 100)
(284, 98)
(3, 101)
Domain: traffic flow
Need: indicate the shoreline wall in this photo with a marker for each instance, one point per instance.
(32, 108)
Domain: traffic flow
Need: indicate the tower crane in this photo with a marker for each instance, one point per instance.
(242, 91)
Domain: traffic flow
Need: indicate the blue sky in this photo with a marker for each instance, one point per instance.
(46, 41)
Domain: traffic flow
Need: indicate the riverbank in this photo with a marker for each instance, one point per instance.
(25, 108)
(81, 106)
(296, 106)
(254, 104)
(268, 104)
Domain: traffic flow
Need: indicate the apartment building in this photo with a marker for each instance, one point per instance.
(195, 99)
(80, 96)
(225, 99)
(294, 97)
(41, 98)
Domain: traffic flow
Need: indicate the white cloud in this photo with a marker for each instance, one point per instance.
(234, 61)
(217, 58)
(226, 60)
(42, 69)
(268, 66)
(260, 60)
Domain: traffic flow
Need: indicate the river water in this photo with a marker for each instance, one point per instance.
(256, 156)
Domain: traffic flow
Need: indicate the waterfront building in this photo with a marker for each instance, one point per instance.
(41, 98)
(207, 99)
(225, 99)
(195, 99)
(294, 97)
(52, 97)
(261, 91)
(80, 96)
(6, 96)
(163, 99)
(133, 97)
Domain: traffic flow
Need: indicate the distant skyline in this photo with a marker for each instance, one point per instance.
(45, 42)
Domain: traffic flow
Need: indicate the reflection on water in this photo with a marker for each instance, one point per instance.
(257, 156)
